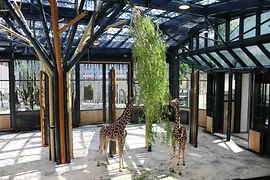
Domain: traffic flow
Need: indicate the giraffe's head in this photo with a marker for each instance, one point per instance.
(175, 103)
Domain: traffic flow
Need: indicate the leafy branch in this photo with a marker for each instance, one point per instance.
(149, 54)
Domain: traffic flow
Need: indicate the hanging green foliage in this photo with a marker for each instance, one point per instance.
(149, 54)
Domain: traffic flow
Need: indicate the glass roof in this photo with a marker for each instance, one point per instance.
(179, 27)
(218, 58)
(262, 58)
(244, 57)
(230, 58)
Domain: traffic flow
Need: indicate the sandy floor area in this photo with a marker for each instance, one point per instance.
(22, 157)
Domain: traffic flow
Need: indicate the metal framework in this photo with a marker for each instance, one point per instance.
(222, 35)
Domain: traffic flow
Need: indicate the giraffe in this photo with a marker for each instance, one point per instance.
(179, 136)
(115, 132)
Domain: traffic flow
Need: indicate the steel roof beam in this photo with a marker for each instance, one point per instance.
(237, 59)
(97, 34)
(205, 61)
(214, 60)
(225, 59)
(262, 39)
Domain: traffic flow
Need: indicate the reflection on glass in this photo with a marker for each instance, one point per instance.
(27, 84)
(230, 58)
(194, 43)
(256, 51)
(4, 88)
(216, 56)
(222, 32)
(267, 46)
(199, 59)
(209, 60)
(201, 40)
(184, 93)
(244, 57)
(202, 94)
(234, 29)
(211, 35)
(265, 28)
(249, 23)
(91, 85)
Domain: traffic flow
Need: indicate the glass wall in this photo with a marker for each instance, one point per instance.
(202, 90)
(91, 87)
(121, 83)
(27, 84)
(4, 88)
(184, 87)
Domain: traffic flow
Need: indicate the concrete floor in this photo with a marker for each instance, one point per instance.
(22, 157)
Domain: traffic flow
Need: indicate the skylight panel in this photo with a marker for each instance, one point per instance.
(156, 12)
(207, 2)
(172, 14)
(189, 25)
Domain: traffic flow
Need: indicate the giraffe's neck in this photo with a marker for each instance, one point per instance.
(127, 113)
(177, 117)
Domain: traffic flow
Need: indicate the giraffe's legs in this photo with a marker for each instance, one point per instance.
(123, 154)
(105, 149)
(102, 141)
(121, 149)
(174, 147)
(179, 155)
(183, 152)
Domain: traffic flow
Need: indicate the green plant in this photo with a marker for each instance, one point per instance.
(88, 92)
(149, 54)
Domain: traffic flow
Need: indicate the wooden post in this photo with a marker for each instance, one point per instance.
(70, 116)
(55, 27)
(41, 109)
(114, 103)
(51, 117)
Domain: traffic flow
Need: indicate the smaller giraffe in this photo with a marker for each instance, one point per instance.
(115, 132)
(179, 136)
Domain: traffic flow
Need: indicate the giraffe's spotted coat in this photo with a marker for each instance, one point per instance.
(115, 132)
(179, 136)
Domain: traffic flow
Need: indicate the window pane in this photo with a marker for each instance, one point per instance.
(4, 96)
(267, 46)
(91, 86)
(211, 35)
(249, 23)
(259, 55)
(184, 93)
(27, 84)
(209, 60)
(202, 94)
(194, 43)
(222, 32)
(216, 56)
(230, 58)
(265, 28)
(234, 29)
(203, 76)
(199, 59)
(27, 95)
(243, 57)
(4, 73)
(27, 69)
(201, 40)
(121, 84)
